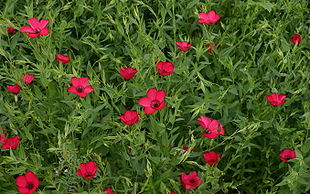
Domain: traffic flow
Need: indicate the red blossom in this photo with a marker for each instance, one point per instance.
(209, 18)
(276, 99)
(211, 157)
(210, 46)
(27, 183)
(11, 143)
(165, 68)
(11, 30)
(130, 117)
(80, 86)
(15, 89)
(127, 73)
(153, 101)
(109, 191)
(185, 148)
(183, 46)
(87, 170)
(62, 59)
(28, 78)
(214, 127)
(37, 27)
(173, 193)
(287, 154)
(190, 181)
(296, 39)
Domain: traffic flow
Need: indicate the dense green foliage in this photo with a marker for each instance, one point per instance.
(59, 130)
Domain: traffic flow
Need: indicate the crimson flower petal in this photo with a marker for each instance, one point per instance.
(83, 81)
(151, 93)
(33, 35)
(44, 31)
(149, 110)
(145, 101)
(88, 89)
(43, 24)
(26, 29)
(34, 23)
(21, 181)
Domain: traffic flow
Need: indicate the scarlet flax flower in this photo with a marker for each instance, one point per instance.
(287, 154)
(190, 181)
(209, 47)
(15, 89)
(127, 73)
(209, 18)
(211, 157)
(153, 101)
(28, 79)
(109, 191)
(11, 30)
(87, 170)
(296, 39)
(130, 117)
(185, 148)
(276, 99)
(37, 27)
(165, 68)
(27, 183)
(213, 127)
(80, 86)
(11, 143)
(183, 45)
(62, 59)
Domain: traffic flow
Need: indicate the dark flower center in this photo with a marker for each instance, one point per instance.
(36, 31)
(29, 186)
(80, 89)
(155, 104)
(287, 157)
(193, 181)
(88, 175)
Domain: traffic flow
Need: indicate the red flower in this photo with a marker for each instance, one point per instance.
(80, 86)
(173, 193)
(287, 154)
(27, 183)
(190, 181)
(36, 28)
(130, 117)
(62, 59)
(296, 39)
(109, 191)
(2, 137)
(214, 128)
(11, 30)
(185, 148)
(13, 89)
(208, 18)
(165, 68)
(211, 157)
(183, 46)
(153, 101)
(209, 46)
(11, 143)
(28, 79)
(87, 170)
(127, 73)
(276, 99)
